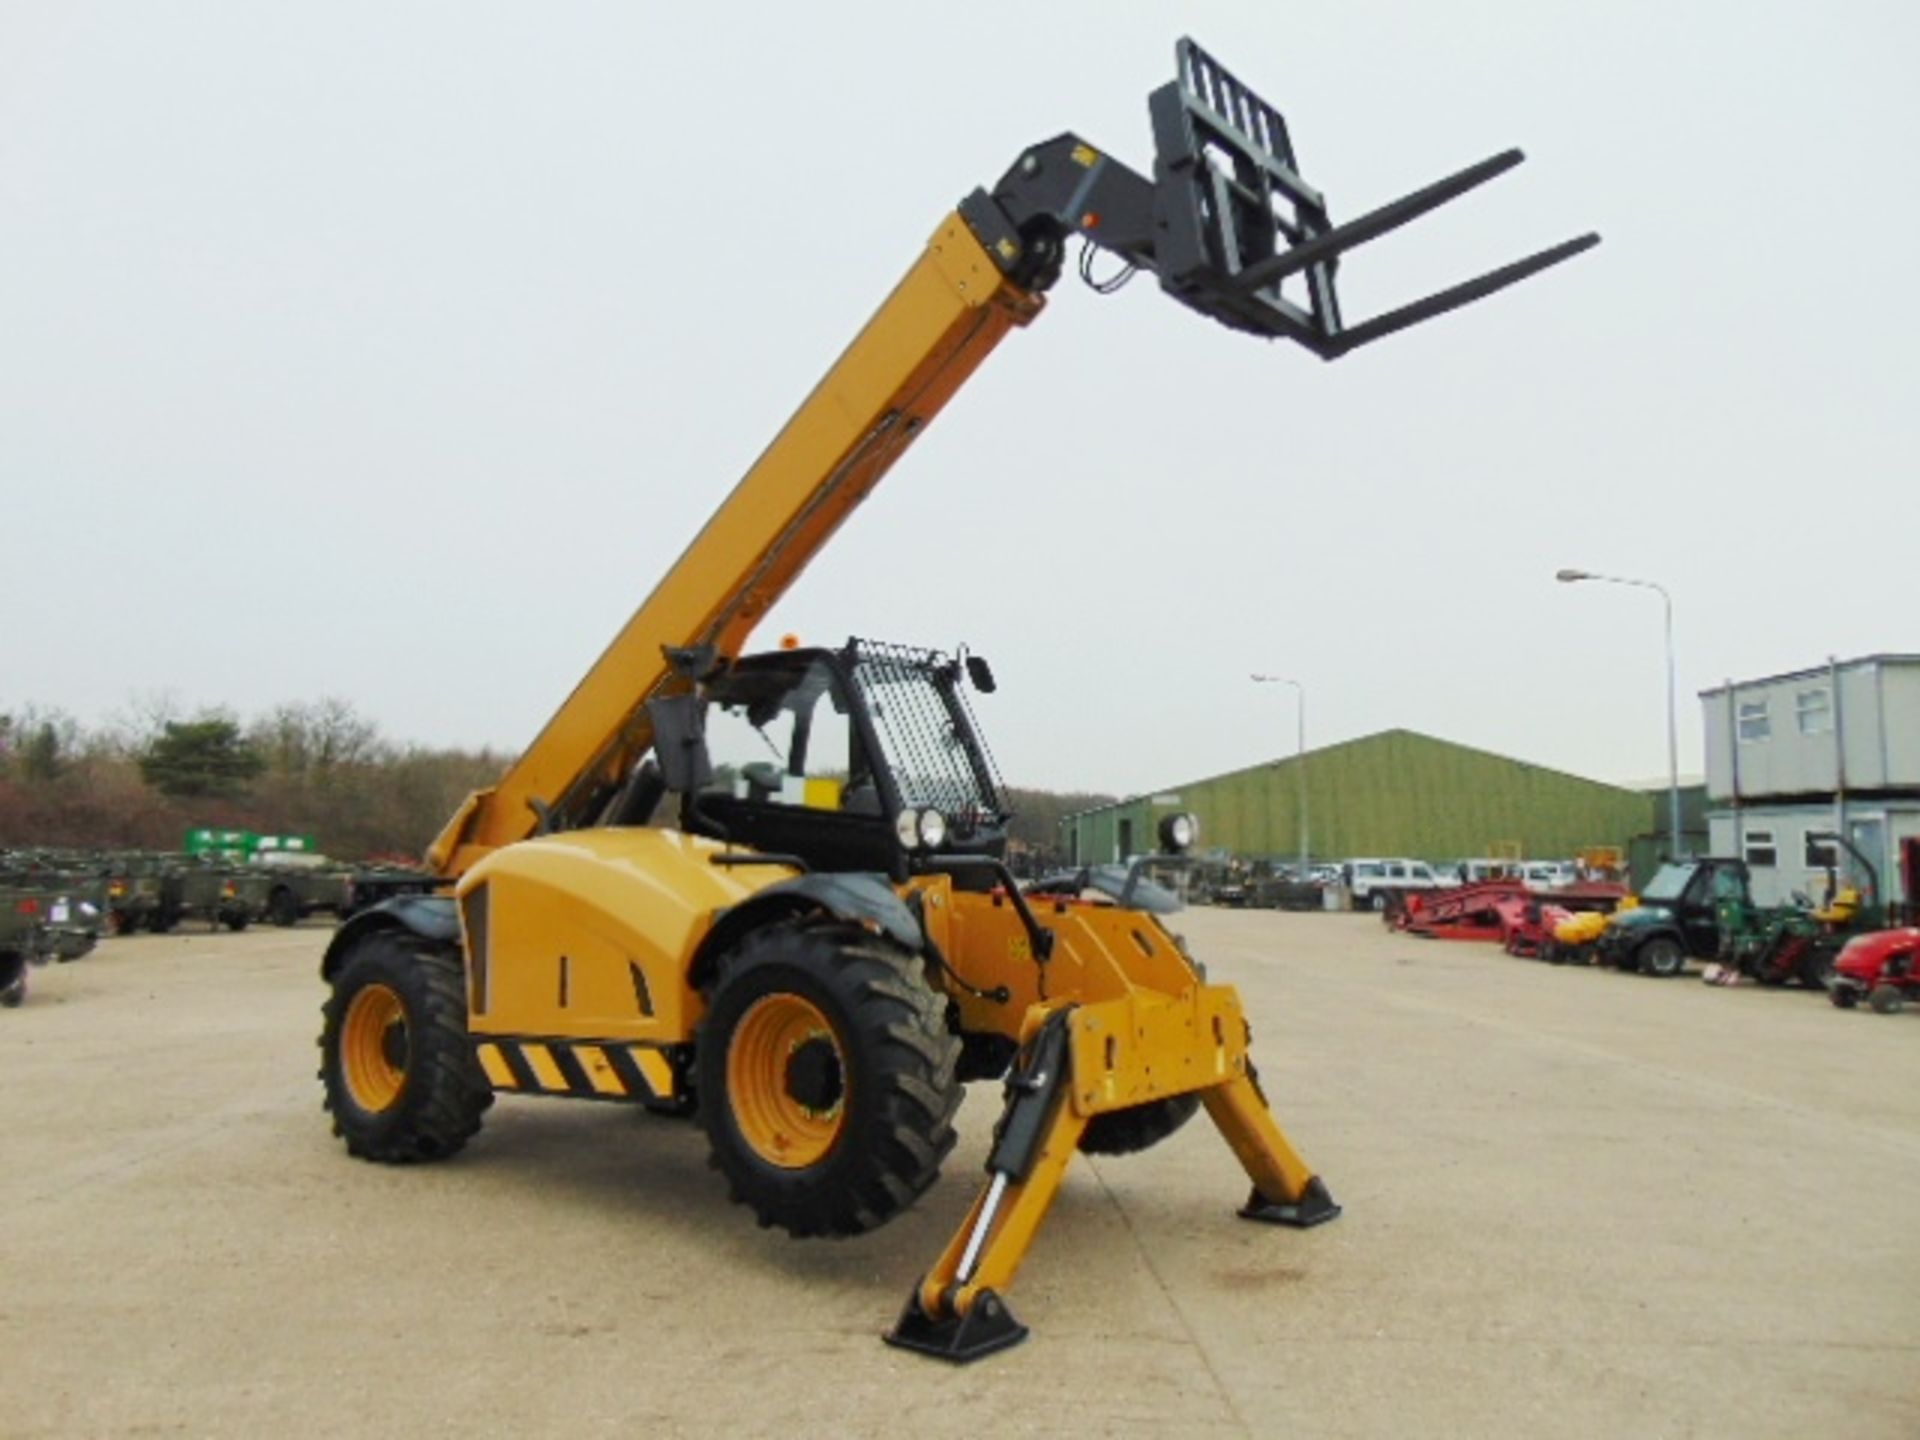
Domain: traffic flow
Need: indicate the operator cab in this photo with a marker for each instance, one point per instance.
(864, 758)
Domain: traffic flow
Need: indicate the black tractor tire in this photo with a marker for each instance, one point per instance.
(1886, 1000)
(282, 909)
(235, 923)
(1844, 997)
(882, 1081)
(1816, 967)
(162, 921)
(1662, 956)
(441, 1092)
(122, 922)
(13, 979)
(1139, 1127)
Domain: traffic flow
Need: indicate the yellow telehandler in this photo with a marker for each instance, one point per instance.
(811, 941)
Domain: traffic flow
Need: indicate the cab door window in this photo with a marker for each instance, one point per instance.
(787, 746)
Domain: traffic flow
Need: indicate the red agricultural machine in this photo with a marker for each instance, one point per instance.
(1504, 909)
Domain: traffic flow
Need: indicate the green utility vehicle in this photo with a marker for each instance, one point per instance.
(1678, 917)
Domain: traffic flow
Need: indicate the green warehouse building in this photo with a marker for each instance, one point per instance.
(1397, 793)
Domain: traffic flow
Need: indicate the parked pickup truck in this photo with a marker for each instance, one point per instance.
(1371, 882)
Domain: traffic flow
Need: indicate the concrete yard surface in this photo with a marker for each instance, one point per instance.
(1577, 1203)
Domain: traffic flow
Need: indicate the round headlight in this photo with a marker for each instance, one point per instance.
(1179, 831)
(933, 829)
(906, 828)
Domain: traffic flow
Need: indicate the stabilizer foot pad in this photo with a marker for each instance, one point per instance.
(1314, 1207)
(986, 1329)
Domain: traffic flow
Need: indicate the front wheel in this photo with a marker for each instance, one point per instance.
(1844, 997)
(1887, 1000)
(1662, 956)
(826, 1079)
(401, 1079)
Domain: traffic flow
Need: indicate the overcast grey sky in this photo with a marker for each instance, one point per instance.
(392, 351)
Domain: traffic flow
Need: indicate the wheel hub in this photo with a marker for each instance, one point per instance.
(786, 1081)
(374, 1049)
(813, 1074)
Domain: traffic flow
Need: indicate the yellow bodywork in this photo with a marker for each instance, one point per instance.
(557, 930)
(580, 949)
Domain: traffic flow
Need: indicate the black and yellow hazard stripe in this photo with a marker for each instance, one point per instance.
(587, 1069)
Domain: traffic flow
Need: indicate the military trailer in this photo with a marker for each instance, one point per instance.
(372, 884)
(301, 885)
(136, 891)
(21, 942)
(216, 892)
(71, 894)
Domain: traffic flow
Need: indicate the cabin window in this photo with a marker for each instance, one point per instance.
(1814, 710)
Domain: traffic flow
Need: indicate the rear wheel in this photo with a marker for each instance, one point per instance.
(1129, 1131)
(398, 1065)
(1844, 997)
(1662, 956)
(826, 1079)
(282, 909)
(1887, 1000)
(1816, 966)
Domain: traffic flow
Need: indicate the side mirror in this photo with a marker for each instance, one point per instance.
(680, 741)
(980, 674)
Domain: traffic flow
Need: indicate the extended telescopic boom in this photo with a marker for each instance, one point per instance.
(1226, 224)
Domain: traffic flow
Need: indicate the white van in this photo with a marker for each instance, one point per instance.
(1549, 874)
(1369, 882)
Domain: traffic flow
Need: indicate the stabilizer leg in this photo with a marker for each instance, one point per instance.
(1285, 1190)
(956, 1313)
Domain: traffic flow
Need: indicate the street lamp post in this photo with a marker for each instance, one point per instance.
(1300, 762)
(1570, 577)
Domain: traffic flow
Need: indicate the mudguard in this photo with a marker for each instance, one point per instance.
(431, 917)
(862, 899)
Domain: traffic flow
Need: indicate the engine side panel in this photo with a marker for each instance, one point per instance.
(589, 934)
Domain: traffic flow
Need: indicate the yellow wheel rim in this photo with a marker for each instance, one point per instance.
(786, 1081)
(373, 1048)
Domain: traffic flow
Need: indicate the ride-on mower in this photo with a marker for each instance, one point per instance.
(822, 945)
(1775, 946)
